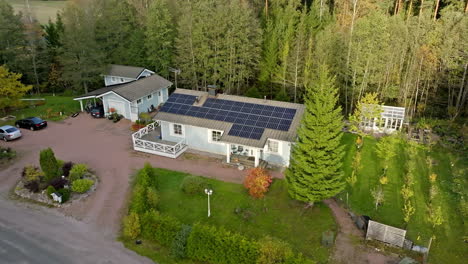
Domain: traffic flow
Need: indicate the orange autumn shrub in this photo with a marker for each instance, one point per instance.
(258, 181)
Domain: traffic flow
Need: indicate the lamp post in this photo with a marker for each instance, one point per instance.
(209, 192)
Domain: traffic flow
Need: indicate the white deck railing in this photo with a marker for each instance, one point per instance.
(158, 148)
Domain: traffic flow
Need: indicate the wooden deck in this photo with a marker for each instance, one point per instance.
(148, 139)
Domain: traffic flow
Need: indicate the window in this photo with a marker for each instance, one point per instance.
(114, 79)
(159, 93)
(216, 135)
(150, 96)
(121, 80)
(138, 101)
(177, 129)
(273, 146)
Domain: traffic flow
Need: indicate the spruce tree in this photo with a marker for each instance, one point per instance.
(49, 164)
(314, 173)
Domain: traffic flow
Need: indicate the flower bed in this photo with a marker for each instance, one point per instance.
(56, 183)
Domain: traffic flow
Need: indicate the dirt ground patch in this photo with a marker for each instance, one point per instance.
(348, 243)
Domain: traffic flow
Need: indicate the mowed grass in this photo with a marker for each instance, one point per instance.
(276, 215)
(41, 10)
(48, 111)
(448, 245)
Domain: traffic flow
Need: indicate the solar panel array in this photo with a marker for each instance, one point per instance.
(249, 120)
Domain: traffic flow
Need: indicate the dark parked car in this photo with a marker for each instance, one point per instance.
(9, 133)
(97, 112)
(32, 123)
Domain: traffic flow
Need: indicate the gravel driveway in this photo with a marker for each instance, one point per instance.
(107, 148)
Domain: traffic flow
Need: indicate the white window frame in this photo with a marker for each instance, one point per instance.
(278, 148)
(141, 101)
(210, 136)
(172, 130)
(149, 97)
(122, 80)
(113, 79)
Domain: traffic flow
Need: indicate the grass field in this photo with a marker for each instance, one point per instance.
(275, 215)
(49, 111)
(448, 246)
(42, 10)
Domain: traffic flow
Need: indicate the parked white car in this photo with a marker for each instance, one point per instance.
(8, 133)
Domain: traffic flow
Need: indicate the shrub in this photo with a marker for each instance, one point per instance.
(179, 245)
(67, 166)
(273, 250)
(82, 185)
(193, 185)
(50, 190)
(32, 173)
(77, 172)
(146, 176)
(257, 182)
(131, 226)
(213, 245)
(49, 164)
(32, 186)
(152, 197)
(139, 203)
(58, 183)
(65, 194)
(7, 153)
(160, 228)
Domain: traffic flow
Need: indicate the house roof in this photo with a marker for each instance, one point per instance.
(289, 135)
(132, 90)
(124, 71)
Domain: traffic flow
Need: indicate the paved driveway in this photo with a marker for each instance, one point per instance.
(107, 149)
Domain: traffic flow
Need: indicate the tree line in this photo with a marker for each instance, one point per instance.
(411, 53)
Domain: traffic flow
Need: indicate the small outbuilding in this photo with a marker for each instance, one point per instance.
(129, 91)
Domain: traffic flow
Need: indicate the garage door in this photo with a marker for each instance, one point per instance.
(118, 106)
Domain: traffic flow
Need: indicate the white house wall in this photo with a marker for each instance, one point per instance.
(108, 80)
(281, 158)
(195, 137)
(106, 98)
(155, 101)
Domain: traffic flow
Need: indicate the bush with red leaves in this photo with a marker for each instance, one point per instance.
(257, 182)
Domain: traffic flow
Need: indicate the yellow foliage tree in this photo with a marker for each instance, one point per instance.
(368, 108)
(11, 88)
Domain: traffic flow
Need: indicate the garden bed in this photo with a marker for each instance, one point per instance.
(42, 197)
(56, 182)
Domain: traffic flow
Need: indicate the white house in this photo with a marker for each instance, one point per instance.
(240, 128)
(130, 91)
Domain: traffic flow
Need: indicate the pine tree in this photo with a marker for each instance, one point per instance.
(160, 36)
(315, 172)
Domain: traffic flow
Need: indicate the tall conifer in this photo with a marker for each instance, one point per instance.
(315, 171)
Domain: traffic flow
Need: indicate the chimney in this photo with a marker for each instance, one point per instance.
(212, 90)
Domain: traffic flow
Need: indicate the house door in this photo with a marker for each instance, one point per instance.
(160, 97)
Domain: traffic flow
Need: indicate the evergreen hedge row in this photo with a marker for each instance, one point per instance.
(207, 243)
(160, 228)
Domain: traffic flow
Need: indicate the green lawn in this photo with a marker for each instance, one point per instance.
(49, 111)
(448, 247)
(42, 10)
(276, 215)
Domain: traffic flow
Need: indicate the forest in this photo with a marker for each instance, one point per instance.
(412, 53)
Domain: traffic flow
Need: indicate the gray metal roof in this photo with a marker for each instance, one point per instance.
(124, 71)
(289, 135)
(135, 89)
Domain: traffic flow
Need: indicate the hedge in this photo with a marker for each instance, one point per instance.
(160, 228)
(207, 243)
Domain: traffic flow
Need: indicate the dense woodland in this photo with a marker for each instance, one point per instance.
(413, 53)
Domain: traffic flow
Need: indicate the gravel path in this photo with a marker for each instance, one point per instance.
(348, 243)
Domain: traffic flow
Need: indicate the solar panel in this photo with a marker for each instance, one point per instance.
(249, 120)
